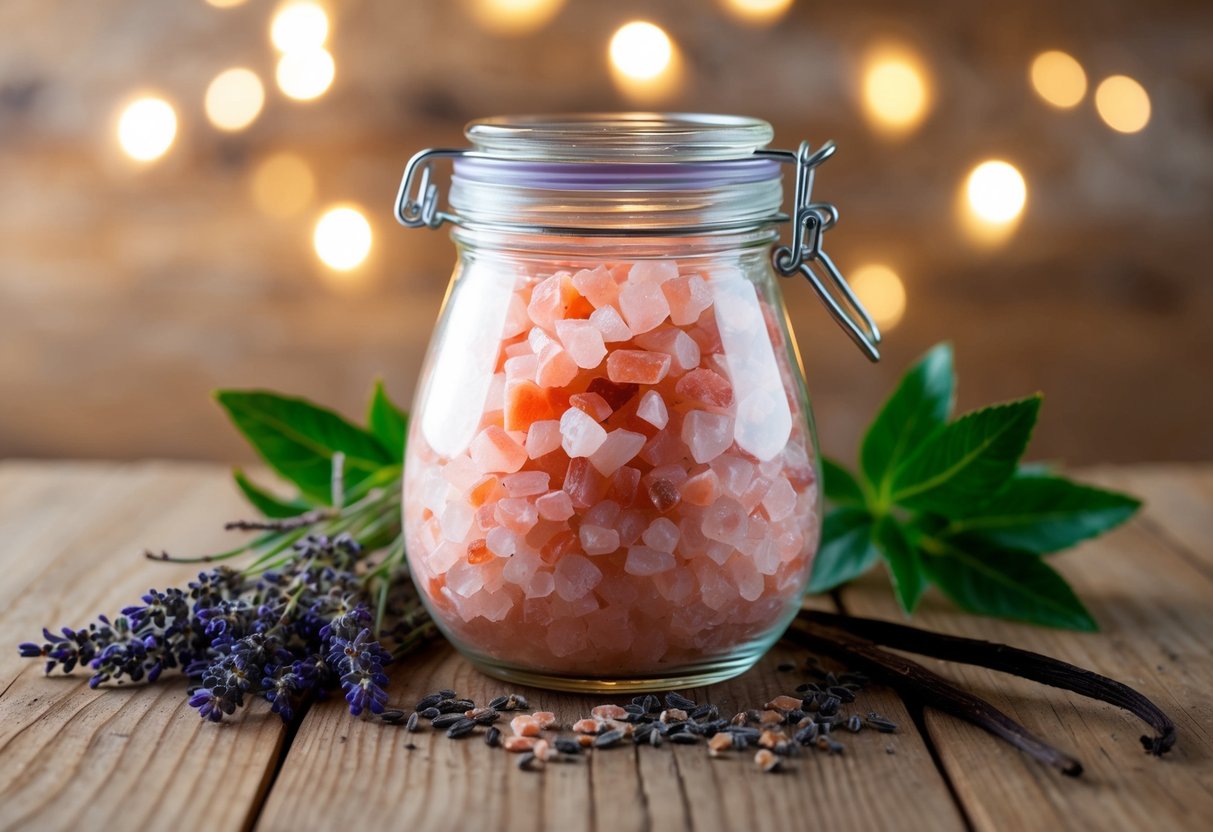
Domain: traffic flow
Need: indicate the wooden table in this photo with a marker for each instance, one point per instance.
(138, 757)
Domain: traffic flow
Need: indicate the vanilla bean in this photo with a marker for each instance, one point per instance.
(1017, 662)
(300, 521)
(916, 682)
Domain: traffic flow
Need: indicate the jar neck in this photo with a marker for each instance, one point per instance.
(752, 243)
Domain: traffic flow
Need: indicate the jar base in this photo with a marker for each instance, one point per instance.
(706, 673)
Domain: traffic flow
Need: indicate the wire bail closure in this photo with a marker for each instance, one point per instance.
(417, 206)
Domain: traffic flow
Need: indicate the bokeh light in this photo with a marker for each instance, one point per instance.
(641, 50)
(895, 89)
(305, 74)
(881, 292)
(224, 4)
(299, 25)
(234, 98)
(1058, 78)
(758, 11)
(283, 185)
(996, 192)
(1123, 104)
(513, 17)
(342, 238)
(146, 128)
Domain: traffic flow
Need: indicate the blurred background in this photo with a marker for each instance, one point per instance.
(197, 193)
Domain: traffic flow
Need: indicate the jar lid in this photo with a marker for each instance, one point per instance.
(620, 137)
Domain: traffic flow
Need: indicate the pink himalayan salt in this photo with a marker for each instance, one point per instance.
(707, 435)
(706, 387)
(701, 489)
(518, 745)
(525, 726)
(725, 520)
(662, 535)
(643, 306)
(597, 540)
(735, 473)
(597, 285)
(589, 726)
(592, 405)
(546, 304)
(663, 448)
(610, 324)
(603, 514)
(526, 483)
(745, 577)
(583, 342)
(456, 521)
(653, 410)
(780, 500)
(516, 318)
(637, 366)
(575, 576)
(542, 437)
(501, 541)
(631, 525)
(541, 585)
(663, 494)
(654, 272)
(464, 580)
(608, 712)
(525, 403)
(675, 585)
(623, 485)
(620, 447)
(580, 433)
(495, 451)
(546, 719)
(675, 343)
(610, 630)
(556, 368)
(583, 483)
(555, 505)
(687, 298)
(643, 561)
(461, 472)
(521, 367)
(752, 496)
(516, 514)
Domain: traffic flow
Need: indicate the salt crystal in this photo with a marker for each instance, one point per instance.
(526, 403)
(766, 555)
(662, 535)
(620, 447)
(526, 483)
(725, 520)
(516, 514)
(663, 448)
(638, 366)
(592, 405)
(575, 576)
(735, 473)
(519, 568)
(707, 435)
(706, 387)
(631, 525)
(653, 410)
(456, 521)
(654, 272)
(555, 505)
(521, 366)
(501, 542)
(547, 303)
(478, 551)
(610, 324)
(583, 483)
(643, 306)
(542, 437)
(493, 450)
(597, 285)
(444, 557)
(675, 343)
(597, 540)
(603, 514)
(664, 494)
(541, 585)
(701, 489)
(754, 493)
(623, 485)
(675, 585)
(643, 561)
(746, 578)
(580, 434)
(615, 395)
(494, 606)
(565, 637)
(464, 579)
(687, 297)
(556, 367)
(583, 341)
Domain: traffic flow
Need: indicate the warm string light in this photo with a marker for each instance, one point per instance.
(1123, 104)
(895, 90)
(1059, 79)
(146, 128)
(282, 186)
(992, 201)
(342, 238)
(234, 99)
(306, 69)
(761, 12)
(881, 292)
(513, 17)
(225, 4)
(299, 25)
(305, 74)
(644, 61)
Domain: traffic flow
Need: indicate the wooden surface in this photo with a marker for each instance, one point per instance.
(139, 758)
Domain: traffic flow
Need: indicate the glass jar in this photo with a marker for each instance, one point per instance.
(612, 477)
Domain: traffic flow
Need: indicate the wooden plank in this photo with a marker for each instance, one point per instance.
(1155, 608)
(364, 773)
(131, 757)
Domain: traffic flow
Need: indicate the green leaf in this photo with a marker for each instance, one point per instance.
(840, 487)
(987, 579)
(962, 464)
(846, 550)
(298, 440)
(1044, 514)
(387, 422)
(265, 502)
(921, 403)
(903, 562)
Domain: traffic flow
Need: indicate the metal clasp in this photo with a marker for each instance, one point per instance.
(418, 207)
(810, 221)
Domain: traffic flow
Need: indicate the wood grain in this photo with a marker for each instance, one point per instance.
(1154, 607)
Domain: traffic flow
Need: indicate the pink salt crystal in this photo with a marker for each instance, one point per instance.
(597, 285)
(456, 521)
(643, 305)
(662, 535)
(664, 494)
(725, 520)
(623, 485)
(444, 557)
(580, 433)
(542, 437)
(591, 404)
(501, 541)
(583, 483)
(575, 576)
(540, 340)
(707, 387)
(620, 447)
(780, 500)
(745, 577)
(526, 483)
(654, 272)
(583, 342)
(663, 448)
(631, 525)
(547, 302)
(464, 579)
(707, 435)
(652, 409)
(735, 473)
(596, 540)
(675, 585)
(609, 712)
(493, 451)
(484, 517)
(610, 324)
(603, 514)
(541, 585)
(525, 726)
(546, 719)
(643, 561)
(516, 514)
(752, 496)
(675, 343)
(521, 367)
(687, 297)
(589, 726)
(556, 367)
(638, 366)
(516, 318)
(555, 506)
(701, 489)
